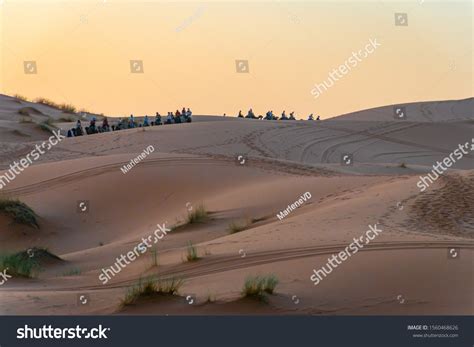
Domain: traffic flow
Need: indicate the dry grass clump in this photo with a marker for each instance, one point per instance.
(259, 286)
(151, 286)
(197, 215)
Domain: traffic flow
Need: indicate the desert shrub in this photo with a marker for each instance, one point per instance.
(19, 211)
(198, 215)
(18, 265)
(47, 102)
(20, 97)
(67, 108)
(151, 286)
(191, 252)
(258, 286)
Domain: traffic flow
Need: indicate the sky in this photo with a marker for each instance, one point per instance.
(122, 57)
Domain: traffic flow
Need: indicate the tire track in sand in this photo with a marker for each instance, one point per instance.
(220, 264)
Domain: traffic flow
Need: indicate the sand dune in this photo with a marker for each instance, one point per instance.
(429, 111)
(198, 163)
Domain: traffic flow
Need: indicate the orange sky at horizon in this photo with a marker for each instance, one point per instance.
(82, 51)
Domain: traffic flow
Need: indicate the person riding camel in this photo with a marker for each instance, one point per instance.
(177, 117)
(169, 118)
(105, 124)
(158, 119)
(78, 128)
(250, 114)
(131, 122)
(189, 115)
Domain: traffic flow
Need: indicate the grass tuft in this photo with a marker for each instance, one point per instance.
(259, 286)
(20, 97)
(64, 106)
(68, 108)
(19, 211)
(151, 286)
(18, 265)
(198, 215)
(211, 298)
(191, 252)
(47, 102)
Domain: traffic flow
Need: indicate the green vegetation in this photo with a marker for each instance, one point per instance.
(19, 211)
(18, 265)
(198, 215)
(259, 286)
(191, 252)
(151, 286)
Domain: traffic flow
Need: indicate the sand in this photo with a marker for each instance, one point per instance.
(405, 270)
